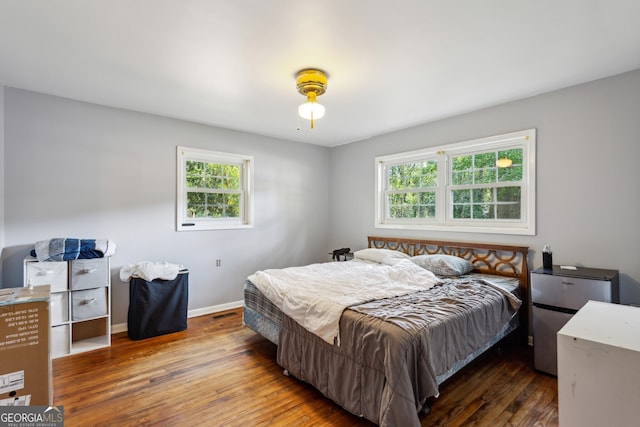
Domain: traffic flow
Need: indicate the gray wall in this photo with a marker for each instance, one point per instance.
(74, 169)
(588, 148)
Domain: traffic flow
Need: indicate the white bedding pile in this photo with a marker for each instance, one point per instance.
(316, 295)
(150, 270)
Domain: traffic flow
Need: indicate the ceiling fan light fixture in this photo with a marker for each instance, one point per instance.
(311, 83)
(311, 109)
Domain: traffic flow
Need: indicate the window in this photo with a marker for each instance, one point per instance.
(482, 190)
(484, 185)
(412, 189)
(214, 190)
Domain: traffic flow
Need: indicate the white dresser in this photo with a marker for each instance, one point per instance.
(599, 367)
(80, 305)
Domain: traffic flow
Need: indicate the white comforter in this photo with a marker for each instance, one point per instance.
(316, 295)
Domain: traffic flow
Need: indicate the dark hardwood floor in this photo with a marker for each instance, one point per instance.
(219, 373)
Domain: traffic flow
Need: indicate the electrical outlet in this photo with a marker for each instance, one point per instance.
(218, 263)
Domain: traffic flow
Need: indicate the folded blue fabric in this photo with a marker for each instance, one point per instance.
(65, 249)
(83, 254)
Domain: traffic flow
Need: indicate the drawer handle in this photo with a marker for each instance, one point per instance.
(45, 272)
(88, 301)
(567, 283)
(88, 270)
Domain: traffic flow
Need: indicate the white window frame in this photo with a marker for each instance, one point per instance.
(444, 220)
(245, 220)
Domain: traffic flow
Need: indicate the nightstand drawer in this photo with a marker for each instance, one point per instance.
(568, 292)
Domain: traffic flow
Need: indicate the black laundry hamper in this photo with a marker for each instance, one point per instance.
(157, 307)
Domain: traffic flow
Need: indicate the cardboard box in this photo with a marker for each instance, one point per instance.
(25, 366)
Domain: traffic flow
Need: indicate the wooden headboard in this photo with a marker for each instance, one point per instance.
(500, 260)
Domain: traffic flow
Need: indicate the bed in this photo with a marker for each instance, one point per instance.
(391, 352)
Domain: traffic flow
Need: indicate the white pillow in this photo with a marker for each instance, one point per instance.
(381, 256)
(443, 265)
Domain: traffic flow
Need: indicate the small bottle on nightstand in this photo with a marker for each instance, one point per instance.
(547, 258)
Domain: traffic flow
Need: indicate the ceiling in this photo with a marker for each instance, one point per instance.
(391, 64)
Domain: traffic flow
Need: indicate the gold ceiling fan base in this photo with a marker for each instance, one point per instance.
(311, 80)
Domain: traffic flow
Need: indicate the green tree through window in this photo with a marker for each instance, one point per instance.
(412, 190)
(214, 190)
(482, 190)
(484, 185)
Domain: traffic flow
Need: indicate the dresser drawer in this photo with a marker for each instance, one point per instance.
(60, 340)
(88, 304)
(53, 274)
(89, 273)
(59, 308)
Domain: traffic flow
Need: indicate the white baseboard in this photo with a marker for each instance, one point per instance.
(122, 327)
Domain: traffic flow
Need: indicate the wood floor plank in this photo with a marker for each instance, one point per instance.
(219, 373)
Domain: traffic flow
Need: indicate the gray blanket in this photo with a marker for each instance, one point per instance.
(392, 350)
